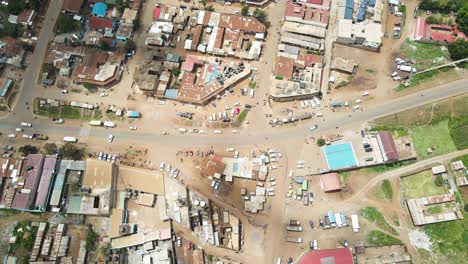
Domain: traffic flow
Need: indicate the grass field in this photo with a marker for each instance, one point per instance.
(426, 55)
(384, 191)
(436, 136)
(379, 238)
(420, 185)
(240, 118)
(373, 215)
(459, 130)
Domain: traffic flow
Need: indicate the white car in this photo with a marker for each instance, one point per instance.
(230, 149)
(273, 167)
(300, 162)
(27, 136)
(161, 166)
(291, 173)
(64, 91)
(235, 131)
(217, 131)
(11, 135)
(300, 166)
(104, 94)
(26, 124)
(19, 129)
(201, 131)
(312, 128)
(110, 138)
(133, 128)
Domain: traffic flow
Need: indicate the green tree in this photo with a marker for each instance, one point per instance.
(459, 49)
(203, 2)
(71, 151)
(120, 5)
(465, 208)
(129, 45)
(462, 18)
(11, 30)
(136, 24)
(245, 10)
(209, 8)
(105, 46)
(15, 7)
(90, 241)
(28, 149)
(261, 15)
(248, 45)
(321, 142)
(50, 148)
(439, 181)
(65, 24)
(175, 71)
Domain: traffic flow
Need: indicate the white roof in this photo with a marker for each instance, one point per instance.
(303, 29)
(106, 72)
(188, 44)
(438, 169)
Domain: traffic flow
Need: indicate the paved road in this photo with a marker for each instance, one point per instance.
(30, 89)
(407, 170)
(266, 135)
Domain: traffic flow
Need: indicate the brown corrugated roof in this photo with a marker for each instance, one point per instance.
(72, 5)
(330, 182)
(389, 145)
(99, 23)
(196, 36)
(12, 46)
(284, 67)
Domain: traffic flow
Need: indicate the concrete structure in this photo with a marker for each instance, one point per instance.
(366, 34)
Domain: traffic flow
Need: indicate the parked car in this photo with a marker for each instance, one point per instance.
(311, 223)
(110, 138)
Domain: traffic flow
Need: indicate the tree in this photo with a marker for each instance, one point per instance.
(175, 71)
(120, 5)
(105, 46)
(136, 24)
(71, 151)
(90, 241)
(245, 10)
(459, 49)
(28, 149)
(462, 18)
(15, 7)
(65, 24)
(466, 208)
(11, 30)
(248, 45)
(209, 8)
(51, 148)
(321, 142)
(261, 15)
(439, 181)
(129, 45)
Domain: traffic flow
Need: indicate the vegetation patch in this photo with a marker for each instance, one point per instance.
(420, 185)
(241, 118)
(398, 131)
(384, 191)
(390, 166)
(25, 235)
(435, 136)
(379, 238)
(426, 55)
(373, 215)
(435, 209)
(458, 127)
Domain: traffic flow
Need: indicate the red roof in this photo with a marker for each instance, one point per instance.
(99, 23)
(330, 182)
(315, 2)
(310, 59)
(388, 145)
(420, 28)
(335, 256)
(450, 38)
(157, 13)
(442, 26)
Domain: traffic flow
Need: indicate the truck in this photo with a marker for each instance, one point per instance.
(404, 68)
(294, 222)
(305, 185)
(294, 228)
(95, 123)
(331, 215)
(252, 93)
(343, 219)
(40, 137)
(294, 239)
(339, 224)
(109, 124)
(355, 223)
(70, 139)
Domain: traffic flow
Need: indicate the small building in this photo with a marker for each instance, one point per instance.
(387, 146)
(438, 170)
(26, 17)
(421, 215)
(330, 182)
(5, 85)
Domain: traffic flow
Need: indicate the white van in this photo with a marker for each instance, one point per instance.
(161, 166)
(252, 93)
(70, 139)
(182, 130)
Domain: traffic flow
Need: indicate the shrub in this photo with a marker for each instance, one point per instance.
(321, 142)
(439, 181)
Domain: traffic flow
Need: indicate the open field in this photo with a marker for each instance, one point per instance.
(426, 55)
(436, 136)
(384, 191)
(373, 215)
(379, 238)
(420, 185)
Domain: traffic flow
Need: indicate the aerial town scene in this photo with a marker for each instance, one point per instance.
(234, 131)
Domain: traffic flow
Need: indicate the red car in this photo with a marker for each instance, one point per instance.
(188, 245)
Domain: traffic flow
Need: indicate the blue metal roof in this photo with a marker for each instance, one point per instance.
(349, 9)
(362, 10)
(99, 9)
(372, 3)
(171, 93)
(5, 87)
